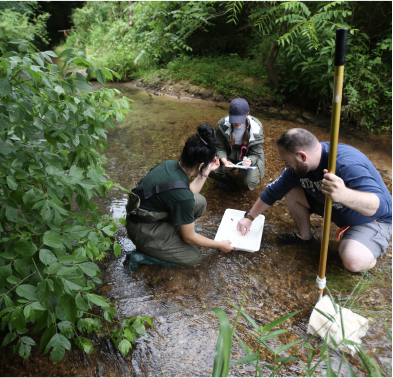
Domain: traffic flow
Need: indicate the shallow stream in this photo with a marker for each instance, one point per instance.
(277, 280)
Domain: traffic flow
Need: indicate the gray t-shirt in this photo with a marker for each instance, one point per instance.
(238, 134)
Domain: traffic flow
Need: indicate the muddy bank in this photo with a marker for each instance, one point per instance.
(277, 280)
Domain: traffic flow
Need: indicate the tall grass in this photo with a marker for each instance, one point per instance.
(315, 356)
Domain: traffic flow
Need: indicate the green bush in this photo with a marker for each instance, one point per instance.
(51, 127)
(19, 25)
(367, 93)
(226, 74)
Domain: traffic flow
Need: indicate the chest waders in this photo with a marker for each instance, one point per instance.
(136, 214)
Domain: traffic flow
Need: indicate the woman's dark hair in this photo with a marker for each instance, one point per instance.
(199, 148)
(246, 135)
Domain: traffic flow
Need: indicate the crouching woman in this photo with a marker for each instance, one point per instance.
(239, 141)
(163, 207)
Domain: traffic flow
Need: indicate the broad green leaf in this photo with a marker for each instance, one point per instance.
(18, 319)
(87, 325)
(47, 336)
(47, 257)
(139, 327)
(72, 282)
(51, 53)
(5, 271)
(82, 62)
(53, 239)
(53, 268)
(5, 86)
(82, 85)
(89, 268)
(24, 350)
(27, 291)
(11, 214)
(85, 344)
(107, 73)
(25, 248)
(66, 52)
(66, 328)
(124, 346)
(68, 307)
(11, 183)
(100, 76)
(9, 338)
(5, 150)
(28, 340)
(129, 335)
(81, 304)
(71, 259)
(117, 250)
(21, 267)
(123, 221)
(98, 300)
(59, 344)
(13, 280)
(78, 231)
(93, 248)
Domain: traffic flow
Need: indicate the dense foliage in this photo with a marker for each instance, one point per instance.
(294, 40)
(52, 125)
(18, 20)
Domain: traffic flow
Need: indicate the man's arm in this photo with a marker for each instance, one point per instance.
(334, 188)
(244, 224)
(188, 234)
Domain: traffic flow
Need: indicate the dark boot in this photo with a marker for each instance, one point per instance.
(135, 259)
(293, 238)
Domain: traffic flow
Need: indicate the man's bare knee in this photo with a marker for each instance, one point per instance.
(355, 256)
(296, 194)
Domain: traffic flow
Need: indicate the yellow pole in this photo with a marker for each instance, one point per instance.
(341, 41)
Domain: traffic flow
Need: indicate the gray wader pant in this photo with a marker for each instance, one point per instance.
(246, 179)
(162, 240)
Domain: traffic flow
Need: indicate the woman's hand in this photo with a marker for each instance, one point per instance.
(212, 166)
(227, 164)
(246, 162)
(226, 246)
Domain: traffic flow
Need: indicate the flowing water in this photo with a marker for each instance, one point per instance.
(278, 280)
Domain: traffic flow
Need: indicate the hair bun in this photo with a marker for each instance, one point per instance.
(206, 135)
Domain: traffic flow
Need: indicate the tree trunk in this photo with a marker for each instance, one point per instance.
(131, 12)
(269, 65)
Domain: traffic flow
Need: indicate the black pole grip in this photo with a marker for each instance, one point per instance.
(341, 44)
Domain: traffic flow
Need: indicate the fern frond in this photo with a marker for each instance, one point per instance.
(296, 6)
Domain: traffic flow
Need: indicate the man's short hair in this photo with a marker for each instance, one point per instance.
(294, 140)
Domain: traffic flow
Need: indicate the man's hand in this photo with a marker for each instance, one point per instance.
(333, 187)
(246, 162)
(243, 226)
(226, 246)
